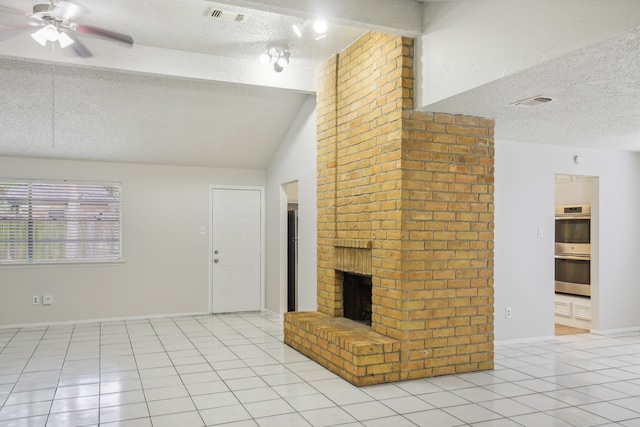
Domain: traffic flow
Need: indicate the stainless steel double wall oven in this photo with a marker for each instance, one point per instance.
(573, 250)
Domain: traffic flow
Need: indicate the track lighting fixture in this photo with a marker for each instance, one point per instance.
(278, 56)
(319, 28)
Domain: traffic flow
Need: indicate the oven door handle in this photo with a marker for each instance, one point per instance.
(567, 217)
(573, 257)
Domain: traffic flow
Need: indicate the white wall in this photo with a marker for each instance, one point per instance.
(166, 271)
(166, 259)
(524, 269)
(295, 160)
(464, 44)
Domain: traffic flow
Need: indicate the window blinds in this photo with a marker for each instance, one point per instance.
(59, 222)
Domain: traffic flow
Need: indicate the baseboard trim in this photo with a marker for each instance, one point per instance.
(616, 331)
(108, 319)
(273, 313)
(524, 340)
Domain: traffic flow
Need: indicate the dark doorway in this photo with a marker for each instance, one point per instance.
(356, 294)
(292, 258)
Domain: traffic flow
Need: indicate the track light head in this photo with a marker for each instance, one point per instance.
(320, 26)
(283, 60)
(265, 58)
(298, 29)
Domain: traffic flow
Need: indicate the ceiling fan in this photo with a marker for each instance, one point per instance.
(55, 23)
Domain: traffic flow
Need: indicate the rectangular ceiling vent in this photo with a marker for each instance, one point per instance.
(532, 102)
(228, 16)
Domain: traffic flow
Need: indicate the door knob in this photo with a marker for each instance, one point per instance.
(215, 252)
(215, 260)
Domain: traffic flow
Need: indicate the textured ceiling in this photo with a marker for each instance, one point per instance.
(187, 26)
(595, 92)
(180, 38)
(60, 111)
(192, 92)
(172, 98)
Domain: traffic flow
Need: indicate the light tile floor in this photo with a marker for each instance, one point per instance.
(234, 370)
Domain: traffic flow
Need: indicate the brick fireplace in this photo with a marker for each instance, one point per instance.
(405, 197)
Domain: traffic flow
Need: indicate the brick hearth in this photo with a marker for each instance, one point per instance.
(406, 197)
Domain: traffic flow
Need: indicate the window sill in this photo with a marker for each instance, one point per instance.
(59, 264)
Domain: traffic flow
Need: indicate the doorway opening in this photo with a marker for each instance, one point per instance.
(575, 253)
(291, 190)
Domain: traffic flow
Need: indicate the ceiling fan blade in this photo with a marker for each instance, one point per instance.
(77, 47)
(105, 34)
(68, 11)
(15, 31)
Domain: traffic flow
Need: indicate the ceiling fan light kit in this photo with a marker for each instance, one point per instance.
(49, 33)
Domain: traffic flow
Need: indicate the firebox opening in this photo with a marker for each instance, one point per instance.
(356, 297)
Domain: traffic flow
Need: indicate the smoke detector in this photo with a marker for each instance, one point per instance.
(532, 102)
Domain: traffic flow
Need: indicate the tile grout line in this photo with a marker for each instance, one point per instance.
(133, 354)
(580, 371)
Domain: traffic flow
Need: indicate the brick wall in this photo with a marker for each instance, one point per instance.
(417, 189)
(447, 247)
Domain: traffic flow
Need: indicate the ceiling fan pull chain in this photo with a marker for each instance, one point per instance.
(53, 104)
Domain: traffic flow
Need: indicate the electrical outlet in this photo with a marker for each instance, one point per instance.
(507, 313)
(540, 232)
(47, 300)
(35, 300)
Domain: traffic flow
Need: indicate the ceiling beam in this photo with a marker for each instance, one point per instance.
(401, 17)
(299, 77)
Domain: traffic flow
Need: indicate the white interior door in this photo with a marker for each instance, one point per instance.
(236, 250)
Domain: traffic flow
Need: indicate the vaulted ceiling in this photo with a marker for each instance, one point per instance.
(191, 90)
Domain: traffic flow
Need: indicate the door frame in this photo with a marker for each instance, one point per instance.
(262, 239)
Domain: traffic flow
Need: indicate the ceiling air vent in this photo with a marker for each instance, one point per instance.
(228, 16)
(532, 102)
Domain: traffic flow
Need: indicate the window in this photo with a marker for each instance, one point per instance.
(43, 222)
